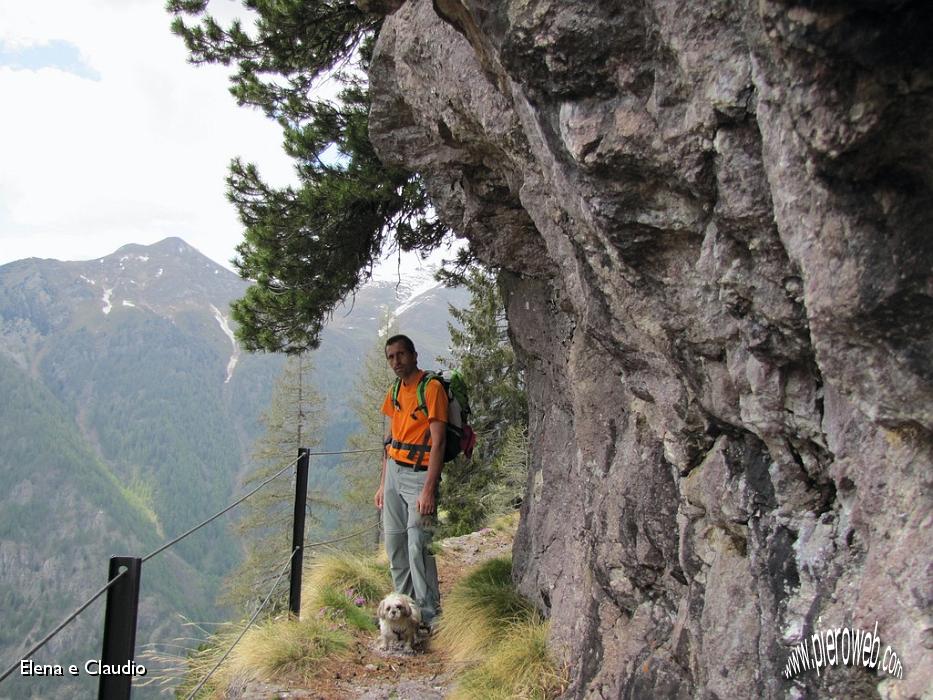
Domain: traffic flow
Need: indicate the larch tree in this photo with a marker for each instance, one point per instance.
(292, 420)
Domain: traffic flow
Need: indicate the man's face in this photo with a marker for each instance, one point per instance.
(402, 361)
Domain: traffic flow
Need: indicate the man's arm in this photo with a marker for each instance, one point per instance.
(387, 439)
(426, 502)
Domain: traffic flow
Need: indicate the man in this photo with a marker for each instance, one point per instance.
(411, 475)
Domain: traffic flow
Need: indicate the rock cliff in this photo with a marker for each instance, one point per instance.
(714, 219)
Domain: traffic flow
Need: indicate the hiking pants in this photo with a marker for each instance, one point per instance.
(408, 538)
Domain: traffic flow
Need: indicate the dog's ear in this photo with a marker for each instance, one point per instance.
(416, 614)
(381, 610)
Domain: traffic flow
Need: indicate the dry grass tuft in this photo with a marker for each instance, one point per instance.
(359, 577)
(288, 649)
(275, 649)
(479, 611)
(497, 639)
(519, 667)
(507, 523)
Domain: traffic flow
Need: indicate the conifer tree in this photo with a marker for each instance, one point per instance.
(307, 247)
(473, 490)
(292, 420)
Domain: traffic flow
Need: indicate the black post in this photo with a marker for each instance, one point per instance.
(298, 531)
(120, 629)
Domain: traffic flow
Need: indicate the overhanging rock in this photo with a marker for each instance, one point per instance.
(715, 223)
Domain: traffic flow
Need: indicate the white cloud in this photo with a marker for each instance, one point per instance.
(138, 155)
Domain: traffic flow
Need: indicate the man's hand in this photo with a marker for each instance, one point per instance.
(378, 498)
(425, 502)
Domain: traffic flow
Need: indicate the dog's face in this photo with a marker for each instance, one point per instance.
(395, 607)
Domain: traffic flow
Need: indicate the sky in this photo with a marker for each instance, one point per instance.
(108, 136)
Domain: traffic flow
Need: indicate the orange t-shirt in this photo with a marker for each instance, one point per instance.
(410, 426)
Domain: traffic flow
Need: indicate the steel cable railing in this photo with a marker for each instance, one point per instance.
(333, 541)
(238, 502)
(178, 539)
(248, 625)
(345, 537)
(63, 624)
(219, 513)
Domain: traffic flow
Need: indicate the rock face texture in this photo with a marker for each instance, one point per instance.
(715, 225)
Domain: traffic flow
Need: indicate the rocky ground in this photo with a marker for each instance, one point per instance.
(372, 674)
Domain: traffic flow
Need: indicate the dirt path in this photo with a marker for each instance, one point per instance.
(372, 674)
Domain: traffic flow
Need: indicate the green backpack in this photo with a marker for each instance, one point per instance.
(460, 436)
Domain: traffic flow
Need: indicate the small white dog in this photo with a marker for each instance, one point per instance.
(399, 618)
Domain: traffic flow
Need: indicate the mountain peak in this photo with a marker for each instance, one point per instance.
(173, 254)
(167, 246)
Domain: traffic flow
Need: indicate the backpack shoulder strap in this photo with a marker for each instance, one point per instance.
(422, 385)
(395, 390)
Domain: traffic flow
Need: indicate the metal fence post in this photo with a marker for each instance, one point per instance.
(298, 531)
(120, 628)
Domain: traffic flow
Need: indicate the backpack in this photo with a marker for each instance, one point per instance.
(460, 436)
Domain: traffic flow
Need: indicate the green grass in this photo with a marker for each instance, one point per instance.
(339, 606)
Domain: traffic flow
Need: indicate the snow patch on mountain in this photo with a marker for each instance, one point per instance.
(414, 295)
(106, 299)
(407, 280)
(225, 327)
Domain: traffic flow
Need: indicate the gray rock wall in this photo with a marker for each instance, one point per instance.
(715, 220)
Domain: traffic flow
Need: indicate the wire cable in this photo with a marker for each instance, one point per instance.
(248, 625)
(345, 537)
(178, 539)
(339, 539)
(218, 514)
(236, 503)
(63, 624)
